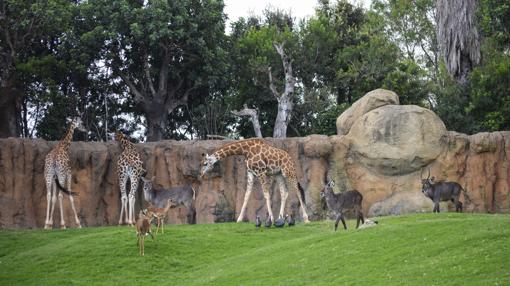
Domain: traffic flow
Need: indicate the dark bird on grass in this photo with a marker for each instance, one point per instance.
(258, 222)
(268, 223)
(291, 221)
(280, 222)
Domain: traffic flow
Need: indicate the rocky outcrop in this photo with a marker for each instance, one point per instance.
(382, 156)
(397, 139)
(372, 100)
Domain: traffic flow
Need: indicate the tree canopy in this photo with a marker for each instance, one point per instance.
(168, 70)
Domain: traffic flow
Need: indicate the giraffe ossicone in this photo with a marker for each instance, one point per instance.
(262, 161)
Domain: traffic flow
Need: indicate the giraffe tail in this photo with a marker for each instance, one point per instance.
(301, 192)
(64, 189)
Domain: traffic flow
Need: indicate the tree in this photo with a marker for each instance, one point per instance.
(28, 32)
(264, 53)
(458, 36)
(328, 41)
(165, 52)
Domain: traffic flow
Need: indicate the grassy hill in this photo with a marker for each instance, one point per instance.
(425, 249)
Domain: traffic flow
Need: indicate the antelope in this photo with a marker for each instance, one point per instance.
(442, 191)
(160, 214)
(181, 196)
(343, 202)
(143, 228)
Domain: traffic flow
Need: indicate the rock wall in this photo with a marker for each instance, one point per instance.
(382, 154)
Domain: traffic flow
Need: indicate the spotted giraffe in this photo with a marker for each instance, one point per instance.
(57, 173)
(262, 160)
(129, 166)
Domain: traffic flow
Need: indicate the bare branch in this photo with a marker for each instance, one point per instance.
(290, 81)
(272, 87)
(212, 136)
(163, 73)
(147, 70)
(138, 96)
(253, 116)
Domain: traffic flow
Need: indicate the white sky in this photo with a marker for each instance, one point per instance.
(298, 8)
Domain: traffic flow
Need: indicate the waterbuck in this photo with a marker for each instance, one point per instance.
(180, 196)
(343, 202)
(442, 191)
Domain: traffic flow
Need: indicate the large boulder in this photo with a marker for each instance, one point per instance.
(397, 139)
(370, 101)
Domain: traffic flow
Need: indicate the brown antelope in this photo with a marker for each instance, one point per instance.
(160, 214)
(343, 202)
(143, 228)
(442, 191)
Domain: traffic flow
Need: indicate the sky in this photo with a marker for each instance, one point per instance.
(298, 8)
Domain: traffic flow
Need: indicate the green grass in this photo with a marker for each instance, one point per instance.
(425, 249)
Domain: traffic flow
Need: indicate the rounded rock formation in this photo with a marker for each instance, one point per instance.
(397, 139)
(370, 101)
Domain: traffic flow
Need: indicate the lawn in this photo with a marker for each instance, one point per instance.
(424, 249)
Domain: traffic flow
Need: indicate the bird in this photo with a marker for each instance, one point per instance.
(280, 222)
(268, 223)
(258, 223)
(291, 221)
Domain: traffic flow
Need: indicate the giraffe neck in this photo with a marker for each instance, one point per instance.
(126, 144)
(66, 141)
(239, 148)
(229, 150)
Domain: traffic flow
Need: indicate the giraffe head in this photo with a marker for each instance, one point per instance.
(119, 136)
(207, 163)
(77, 123)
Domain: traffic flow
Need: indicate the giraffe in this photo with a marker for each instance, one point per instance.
(129, 166)
(57, 173)
(262, 161)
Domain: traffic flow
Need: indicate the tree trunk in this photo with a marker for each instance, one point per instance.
(156, 123)
(458, 37)
(156, 101)
(285, 104)
(10, 117)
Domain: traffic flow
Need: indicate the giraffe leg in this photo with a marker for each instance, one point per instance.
(283, 194)
(132, 199)
(71, 199)
(249, 188)
(303, 209)
(53, 202)
(294, 184)
(62, 222)
(265, 190)
(61, 179)
(123, 197)
(49, 190)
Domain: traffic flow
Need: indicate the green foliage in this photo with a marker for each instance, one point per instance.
(489, 96)
(252, 53)
(407, 81)
(494, 18)
(68, 56)
(423, 249)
